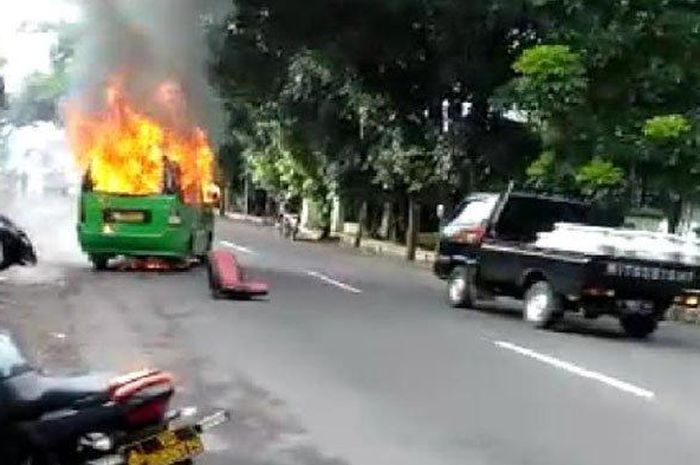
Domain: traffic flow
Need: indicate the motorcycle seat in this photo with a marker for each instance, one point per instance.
(32, 395)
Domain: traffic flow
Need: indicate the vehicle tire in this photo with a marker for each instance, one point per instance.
(543, 306)
(99, 262)
(638, 326)
(214, 284)
(204, 257)
(461, 288)
(4, 255)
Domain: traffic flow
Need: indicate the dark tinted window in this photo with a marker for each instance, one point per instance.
(524, 217)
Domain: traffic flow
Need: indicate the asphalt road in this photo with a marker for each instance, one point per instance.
(356, 360)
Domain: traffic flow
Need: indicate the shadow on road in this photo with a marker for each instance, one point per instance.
(670, 335)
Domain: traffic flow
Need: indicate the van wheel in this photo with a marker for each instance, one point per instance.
(204, 256)
(99, 262)
(461, 289)
(214, 283)
(638, 326)
(543, 306)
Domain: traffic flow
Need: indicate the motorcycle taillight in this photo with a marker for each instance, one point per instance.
(148, 413)
(145, 396)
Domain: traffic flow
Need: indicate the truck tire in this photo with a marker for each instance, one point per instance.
(638, 326)
(4, 255)
(543, 306)
(461, 288)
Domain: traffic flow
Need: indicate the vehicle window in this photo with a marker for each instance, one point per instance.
(11, 361)
(473, 213)
(523, 218)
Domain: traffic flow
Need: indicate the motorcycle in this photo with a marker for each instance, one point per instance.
(94, 419)
(288, 226)
(15, 246)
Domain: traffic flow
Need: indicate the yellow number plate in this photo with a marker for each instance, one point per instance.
(129, 217)
(168, 448)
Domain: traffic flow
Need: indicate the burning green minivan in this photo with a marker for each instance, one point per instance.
(161, 225)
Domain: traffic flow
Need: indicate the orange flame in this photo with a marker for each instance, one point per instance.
(125, 152)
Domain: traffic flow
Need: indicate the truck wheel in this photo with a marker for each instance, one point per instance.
(638, 326)
(4, 257)
(543, 307)
(461, 289)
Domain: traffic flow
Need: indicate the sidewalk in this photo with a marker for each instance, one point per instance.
(371, 246)
(257, 220)
(386, 248)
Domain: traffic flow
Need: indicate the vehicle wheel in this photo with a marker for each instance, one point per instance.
(4, 256)
(204, 257)
(638, 326)
(99, 263)
(543, 307)
(461, 290)
(214, 285)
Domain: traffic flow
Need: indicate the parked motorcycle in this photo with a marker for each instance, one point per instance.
(15, 246)
(93, 420)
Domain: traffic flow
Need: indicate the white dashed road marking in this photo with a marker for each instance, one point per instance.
(237, 247)
(580, 371)
(333, 282)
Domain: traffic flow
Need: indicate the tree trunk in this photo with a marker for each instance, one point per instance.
(413, 229)
(387, 219)
(393, 234)
(223, 200)
(326, 219)
(361, 224)
(246, 196)
(675, 213)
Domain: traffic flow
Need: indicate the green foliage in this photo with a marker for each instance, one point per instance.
(552, 80)
(543, 171)
(39, 98)
(666, 128)
(400, 164)
(599, 176)
(357, 90)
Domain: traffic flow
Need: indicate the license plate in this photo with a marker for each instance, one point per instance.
(167, 448)
(128, 217)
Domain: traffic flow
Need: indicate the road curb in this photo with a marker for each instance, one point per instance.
(250, 219)
(424, 258)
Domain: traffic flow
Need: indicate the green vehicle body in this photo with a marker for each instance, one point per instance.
(143, 226)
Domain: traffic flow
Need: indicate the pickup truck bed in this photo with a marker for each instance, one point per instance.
(488, 249)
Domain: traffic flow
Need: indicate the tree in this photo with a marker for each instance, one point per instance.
(599, 71)
(41, 94)
(3, 99)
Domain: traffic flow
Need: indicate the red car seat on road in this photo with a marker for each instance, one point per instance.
(226, 277)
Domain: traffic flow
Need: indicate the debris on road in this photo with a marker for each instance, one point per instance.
(227, 278)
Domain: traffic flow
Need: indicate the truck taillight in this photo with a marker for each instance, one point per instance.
(472, 236)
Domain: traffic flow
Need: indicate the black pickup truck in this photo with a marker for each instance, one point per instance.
(488, 249)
